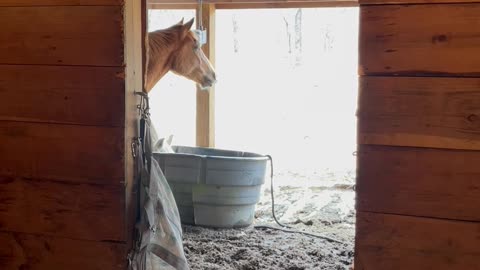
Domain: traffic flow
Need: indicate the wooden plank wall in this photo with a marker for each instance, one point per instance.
(62, 134)
(418, 185)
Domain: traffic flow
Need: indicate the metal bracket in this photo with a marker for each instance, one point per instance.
(144, 106)
(136, 142)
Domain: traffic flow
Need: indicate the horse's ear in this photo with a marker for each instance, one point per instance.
(189, 24)
(180, 22)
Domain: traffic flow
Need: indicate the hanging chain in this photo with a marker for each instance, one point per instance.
(200, 31)
(144, 106)
(144, 112)
(200, 14)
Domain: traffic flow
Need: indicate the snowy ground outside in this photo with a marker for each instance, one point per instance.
(324, 207)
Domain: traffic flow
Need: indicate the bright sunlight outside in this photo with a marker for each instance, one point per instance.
(287, 86)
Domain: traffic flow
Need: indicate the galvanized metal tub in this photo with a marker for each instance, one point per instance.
(214, 187)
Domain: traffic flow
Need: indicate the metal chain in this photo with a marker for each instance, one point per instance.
(144, 112)
(200, 15)
(144, 106)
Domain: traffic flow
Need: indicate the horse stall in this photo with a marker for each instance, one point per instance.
(68, 70)
(418, 181)
(71, 78)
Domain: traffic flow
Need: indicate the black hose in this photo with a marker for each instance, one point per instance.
(273, 197)
(297, 231)
(289, 229)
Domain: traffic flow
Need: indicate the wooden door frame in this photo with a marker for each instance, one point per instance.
(135, 23)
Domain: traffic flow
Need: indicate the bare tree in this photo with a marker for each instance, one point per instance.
(289, 35)
(235, 34)
(298, 37)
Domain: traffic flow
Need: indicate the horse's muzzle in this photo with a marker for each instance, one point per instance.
(208, 82)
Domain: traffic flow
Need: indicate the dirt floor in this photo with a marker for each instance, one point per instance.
(320, 204)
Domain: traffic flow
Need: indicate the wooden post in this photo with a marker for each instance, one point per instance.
(206, 99)
(134, 33)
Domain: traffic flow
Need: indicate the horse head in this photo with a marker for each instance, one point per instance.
(190, 61)
(182, 55)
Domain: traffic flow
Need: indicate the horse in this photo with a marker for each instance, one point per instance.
(178, 49)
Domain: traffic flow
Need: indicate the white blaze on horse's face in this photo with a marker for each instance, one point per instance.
(191, 62)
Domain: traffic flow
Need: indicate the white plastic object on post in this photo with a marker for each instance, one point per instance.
(202, 36)
(201, 32)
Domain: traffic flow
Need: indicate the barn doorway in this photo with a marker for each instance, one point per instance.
(287, 86)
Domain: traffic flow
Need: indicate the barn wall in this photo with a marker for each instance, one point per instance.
(62, 135)
(418, 186)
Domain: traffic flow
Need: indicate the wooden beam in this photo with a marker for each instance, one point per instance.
(41, 3)
(238, 1)
(172, 6)
(318, 4)
(206, 99)
(270, 4)
(415, 243)
(62, 94)
(29, 251)
(384, 2)
(420, 112)
(65, 35)
(74, 210)
(420, 40)
(135, 29)
(68, 153)
(412, 181)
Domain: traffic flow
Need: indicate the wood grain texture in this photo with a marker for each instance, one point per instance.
(62, 152)
(205, 117)
(31, 3)
(62, 141)
(135, 19)
(25, 251)
(71, 210)
(243, 5)
(401, 242)
(63, 94)
(383, 2)
(420, 112)
(419, 182)
(319, 4)
(419, 40)
(239, 1)
(64, 35)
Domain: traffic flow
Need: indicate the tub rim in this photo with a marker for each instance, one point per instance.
(254, 157)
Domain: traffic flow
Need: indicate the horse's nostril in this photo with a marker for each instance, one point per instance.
(214, 76)
(207, 80)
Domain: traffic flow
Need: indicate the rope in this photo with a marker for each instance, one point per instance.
(286, 228)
